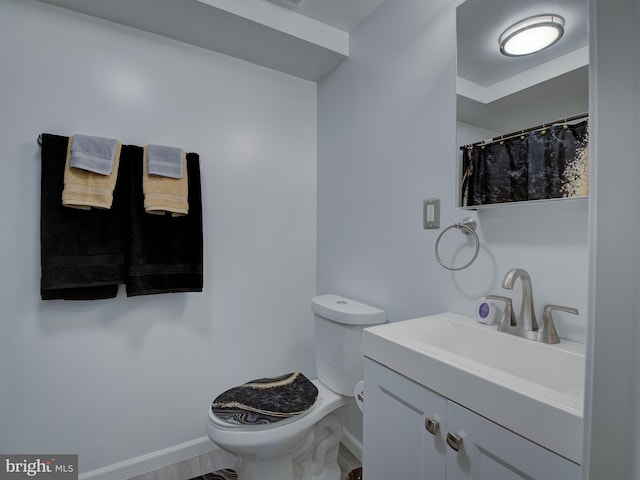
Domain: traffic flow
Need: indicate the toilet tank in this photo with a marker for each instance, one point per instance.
(339, 323)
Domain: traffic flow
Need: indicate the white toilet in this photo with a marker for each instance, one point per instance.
(305, 446)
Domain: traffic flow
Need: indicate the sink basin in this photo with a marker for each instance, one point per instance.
(558, 368)
(531, 388)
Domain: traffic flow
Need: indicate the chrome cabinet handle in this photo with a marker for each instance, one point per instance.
(432, 425)
(454, 441)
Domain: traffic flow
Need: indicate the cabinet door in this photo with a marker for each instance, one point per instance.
(396, 442)
(491, 452)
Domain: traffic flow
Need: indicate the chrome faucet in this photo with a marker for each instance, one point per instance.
(525, 324)
(547, 332)
(526, 320)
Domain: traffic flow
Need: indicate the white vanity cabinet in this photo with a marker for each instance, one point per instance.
(396, 442)
(405, 436)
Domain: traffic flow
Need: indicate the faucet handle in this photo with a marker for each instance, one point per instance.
(548, 328)
(508, 317)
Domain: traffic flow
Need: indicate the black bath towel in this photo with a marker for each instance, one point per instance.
(82, 251)
(164, 253)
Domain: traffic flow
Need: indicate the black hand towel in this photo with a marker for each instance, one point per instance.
(82, 251)
(165, 253)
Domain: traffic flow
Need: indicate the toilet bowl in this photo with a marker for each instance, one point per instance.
(280, 450)
(305, 446)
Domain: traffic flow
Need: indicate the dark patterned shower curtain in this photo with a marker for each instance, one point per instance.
(552, 162)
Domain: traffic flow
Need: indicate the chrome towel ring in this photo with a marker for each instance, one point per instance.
(468, 227)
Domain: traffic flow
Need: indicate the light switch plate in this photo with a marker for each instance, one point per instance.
(431, 213)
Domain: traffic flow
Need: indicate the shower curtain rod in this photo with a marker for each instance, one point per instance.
(526, 130)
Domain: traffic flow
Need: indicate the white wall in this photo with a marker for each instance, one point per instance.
(613, 390)
(386, 141)
(4, 384)
(115, 379)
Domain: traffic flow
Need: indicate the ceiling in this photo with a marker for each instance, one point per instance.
(503, 94)
(342, 14)
(311, 41)
(308, 42)
(480, 23)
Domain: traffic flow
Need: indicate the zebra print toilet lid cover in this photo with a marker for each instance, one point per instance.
(266, 400)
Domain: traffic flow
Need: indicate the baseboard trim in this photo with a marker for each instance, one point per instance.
(151, 461)
(352, 444)
(178, 453)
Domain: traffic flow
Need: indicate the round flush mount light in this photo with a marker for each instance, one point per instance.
(531, 35)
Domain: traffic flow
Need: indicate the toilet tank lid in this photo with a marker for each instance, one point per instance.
(347, 311)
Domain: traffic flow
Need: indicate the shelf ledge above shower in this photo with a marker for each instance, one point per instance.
(552, 70)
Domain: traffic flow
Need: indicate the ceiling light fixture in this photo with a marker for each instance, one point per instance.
(531, 35)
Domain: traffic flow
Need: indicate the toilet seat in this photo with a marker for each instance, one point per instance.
(326, 401)
(223, 424)
(266, 400)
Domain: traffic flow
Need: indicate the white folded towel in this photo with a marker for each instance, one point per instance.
(94, 154)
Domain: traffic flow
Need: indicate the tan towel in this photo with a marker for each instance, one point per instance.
(164, 194)
(85, 190)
